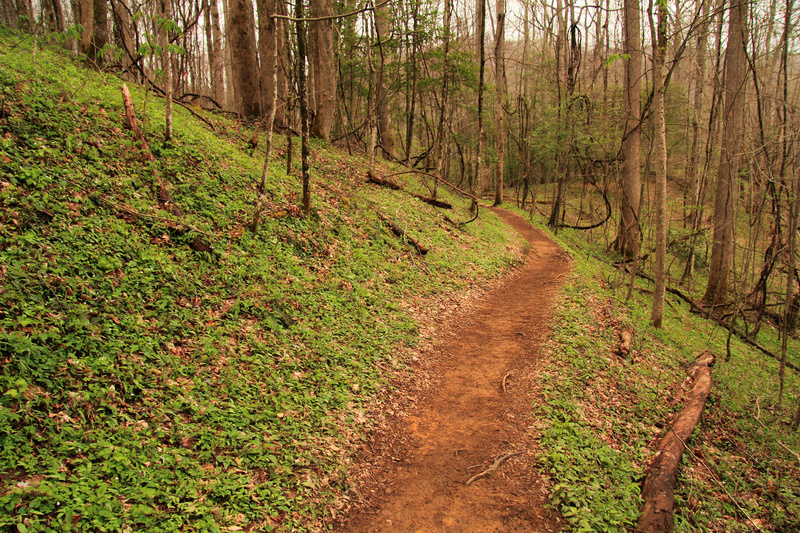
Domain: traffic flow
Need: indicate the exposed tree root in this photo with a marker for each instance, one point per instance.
(492, 469)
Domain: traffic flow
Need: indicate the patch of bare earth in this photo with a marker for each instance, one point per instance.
(468, 403)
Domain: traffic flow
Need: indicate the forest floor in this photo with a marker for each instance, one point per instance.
(468, 405)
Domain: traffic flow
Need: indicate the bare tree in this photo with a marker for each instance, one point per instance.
(725, 201)
(382, 19)
(241, 36)
(629, 236)
(499, 80)
(660, 132)
(323, 64)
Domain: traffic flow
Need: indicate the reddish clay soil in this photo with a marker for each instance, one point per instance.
(414, 471)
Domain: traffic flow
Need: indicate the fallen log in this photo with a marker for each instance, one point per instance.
(421, 250)
(371, 178)
(626, 341)
(658, 491)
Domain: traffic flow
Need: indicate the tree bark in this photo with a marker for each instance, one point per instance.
(658, 491)
(323, 63)
(267, 56)
(241, 36)
(440, 152)
(215, 57)
(411, 87)
(481, 183)
(166, 63)
(630, 231)
(54, 16)
(304, 126)
(99, 32)
(660, 131)
(727, 176)
(499, 80)
(84, 16)
(385, 133)
(123, 32)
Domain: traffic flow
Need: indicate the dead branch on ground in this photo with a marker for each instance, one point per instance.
(421, 250)
(371, 178)
(492, 469)
(658, 491)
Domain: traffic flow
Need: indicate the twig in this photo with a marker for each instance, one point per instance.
(785, 447)
(504, 380)
(492, 469)
(758, 413)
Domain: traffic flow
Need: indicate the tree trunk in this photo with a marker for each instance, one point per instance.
(84, 16)
(267, 29)
(630, 231)
(123, 32)
(276, 30)
(440, 152)
(215, 57)
(481, 183)
(727, 176)
(412, 86)
(301, 83)
(499, 78)
(54, 16)
(241, 36)
(382, 20)
(323, 64)
(166, 64)
(694, 212)
(660, 132)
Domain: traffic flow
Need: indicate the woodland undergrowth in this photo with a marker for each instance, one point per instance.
(604, 410)
(148, 386)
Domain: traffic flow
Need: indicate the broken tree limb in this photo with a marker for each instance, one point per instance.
(133, 124)
(123, 209)
(371, 178)
(658, 491)
(459, 191)
(403, 235)
(698, 307)
(162, 192)
(492, 469)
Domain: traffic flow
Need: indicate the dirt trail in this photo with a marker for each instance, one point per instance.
(418, 469)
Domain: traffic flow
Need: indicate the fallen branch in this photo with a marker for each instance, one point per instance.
(696, 306)
(492, 469)
(403, 235)
(196, 115)
(161, 188)
(459, 191)
(658, 491)
(785, 447)
(371, 178)
(197, 244)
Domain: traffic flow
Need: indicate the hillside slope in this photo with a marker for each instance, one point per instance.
(149, 386)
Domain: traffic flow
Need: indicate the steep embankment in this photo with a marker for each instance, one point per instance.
(150, 386)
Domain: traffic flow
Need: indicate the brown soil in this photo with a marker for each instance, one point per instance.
(460, 419)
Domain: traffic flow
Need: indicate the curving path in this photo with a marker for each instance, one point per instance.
(466, 419)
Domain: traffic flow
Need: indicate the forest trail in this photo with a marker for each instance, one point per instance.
(464, 420)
